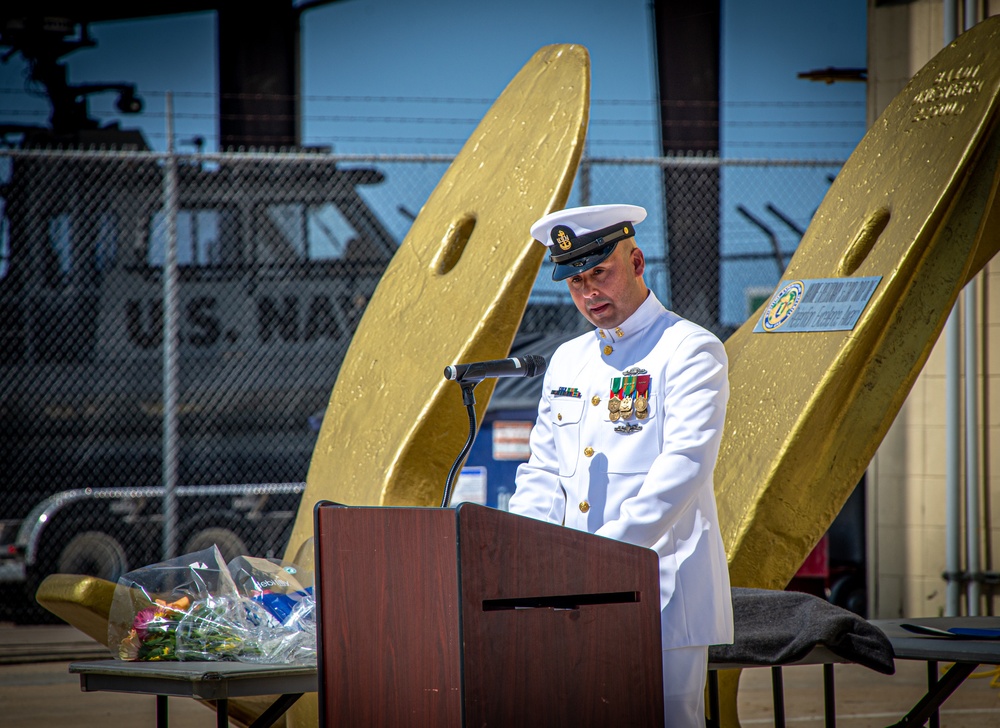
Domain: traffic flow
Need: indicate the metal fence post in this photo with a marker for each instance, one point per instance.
(584, 179)
(170, 340)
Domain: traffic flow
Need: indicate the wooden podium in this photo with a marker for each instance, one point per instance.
(477, 617)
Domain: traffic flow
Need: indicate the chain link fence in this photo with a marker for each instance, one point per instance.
(247, 273)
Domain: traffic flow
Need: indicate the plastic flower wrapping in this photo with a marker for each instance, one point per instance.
(197, 607)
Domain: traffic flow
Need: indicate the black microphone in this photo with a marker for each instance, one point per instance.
(515, 366)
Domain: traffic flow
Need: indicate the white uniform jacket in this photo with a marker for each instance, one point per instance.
(650, 486)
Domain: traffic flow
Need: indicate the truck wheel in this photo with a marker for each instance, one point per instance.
(849, 592)
(93, 553)
(229, 543)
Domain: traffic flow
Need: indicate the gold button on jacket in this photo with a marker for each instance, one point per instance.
(595, 400)
(588, 451)
(608, 350)
(584, 506)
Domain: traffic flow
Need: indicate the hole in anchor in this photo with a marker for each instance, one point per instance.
(453, 244)
(864, 241)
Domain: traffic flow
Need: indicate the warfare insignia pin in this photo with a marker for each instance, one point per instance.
(628, 429)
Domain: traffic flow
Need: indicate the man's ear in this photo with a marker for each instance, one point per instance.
(638, 261)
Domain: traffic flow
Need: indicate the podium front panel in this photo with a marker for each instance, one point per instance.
(476, 617)
(389, 609)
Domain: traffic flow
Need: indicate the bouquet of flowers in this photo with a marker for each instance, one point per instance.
(190, 608)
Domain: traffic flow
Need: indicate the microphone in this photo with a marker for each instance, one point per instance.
(515, 366)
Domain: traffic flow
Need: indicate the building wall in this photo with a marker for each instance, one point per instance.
(906, 494)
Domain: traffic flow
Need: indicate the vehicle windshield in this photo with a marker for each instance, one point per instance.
(288, 233)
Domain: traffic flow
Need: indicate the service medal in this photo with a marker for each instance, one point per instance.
(641, 407)
(626, 407)
(614, 400)
(642, 396)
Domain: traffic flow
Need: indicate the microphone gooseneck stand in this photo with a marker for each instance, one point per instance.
(470, 403)
(467, 376)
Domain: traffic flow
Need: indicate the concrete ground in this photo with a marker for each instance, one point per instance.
(36, 689)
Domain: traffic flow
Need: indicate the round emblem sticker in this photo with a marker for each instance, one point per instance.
(782, 306)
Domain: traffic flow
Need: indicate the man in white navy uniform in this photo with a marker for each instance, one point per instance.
(627, 436)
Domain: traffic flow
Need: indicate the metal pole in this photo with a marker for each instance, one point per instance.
(984, 429)
(953, 435)
(972, 518)
(953, 496)
(971, 451)
(170, 339)
(950, 20)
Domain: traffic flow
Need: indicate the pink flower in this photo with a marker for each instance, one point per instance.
(142, 620)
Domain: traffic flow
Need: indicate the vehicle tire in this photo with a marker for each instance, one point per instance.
(90, 553)
(849, 592)
(93, 553)
(230, 544)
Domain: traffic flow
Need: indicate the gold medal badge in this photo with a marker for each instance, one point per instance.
(642, 397)
(628, 397)
(614, 400)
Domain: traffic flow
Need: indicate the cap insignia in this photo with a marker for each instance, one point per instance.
(563, 241)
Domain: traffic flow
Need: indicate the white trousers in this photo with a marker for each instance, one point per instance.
(685, 670)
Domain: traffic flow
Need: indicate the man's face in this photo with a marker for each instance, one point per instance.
(611, 291)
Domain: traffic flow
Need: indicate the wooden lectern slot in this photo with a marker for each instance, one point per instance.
(561, 601)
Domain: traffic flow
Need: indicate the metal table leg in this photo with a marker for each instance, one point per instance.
(829, 699)
(713, 720)
(161, 711)
(944, 687)
(778, 696)
(932, 681)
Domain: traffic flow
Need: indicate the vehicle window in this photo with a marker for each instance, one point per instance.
(310, 232)
(81, 249)
(4, 240)
(60, 246)
(204, 238)
(106, 242)
(6, 167)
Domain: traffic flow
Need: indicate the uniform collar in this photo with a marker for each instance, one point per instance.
(648, 311)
